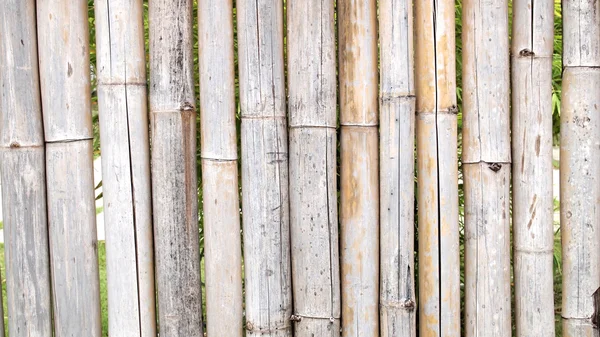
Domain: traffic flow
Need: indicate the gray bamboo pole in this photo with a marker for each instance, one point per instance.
(533, 211)
(580, 165)
(397, 164)
(486, 168)
(359, 202)
(313, 187)
(437, 168)
(222, 241)
(173, 165)
(121, 71)
(65, 86)
(267, 265)
(22, 168)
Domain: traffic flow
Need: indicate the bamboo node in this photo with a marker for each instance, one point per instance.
(526, 52)
(187, 107)
(453, 109)
(298, 317)
(495, 166)
(14, 145)
(406, 303)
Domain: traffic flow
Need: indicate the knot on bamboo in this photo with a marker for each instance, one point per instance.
(526, 52)
(495, 166)
(187, 107)
(407, 304)
(14, 145)
(453, 110)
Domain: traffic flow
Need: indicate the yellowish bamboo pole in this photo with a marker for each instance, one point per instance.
(221, 205)
(580, 166)
(63, 46)
(359, 200)
(533, 211)
(437, 168)
(22, 168)
(313, 190)
(397, 164)
(173, 164)
(486, 168)
(267, 264)
(121, 71)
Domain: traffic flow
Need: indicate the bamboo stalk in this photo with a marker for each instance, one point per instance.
(126, 167)
(174, 180)
(23, 173)
(580, 166)
(486, 168)
(313, 197)
(437, 168)
(267, 265)
(533, 207)
(222, 240)
(359, 169)
(65, 90)
(397, 164)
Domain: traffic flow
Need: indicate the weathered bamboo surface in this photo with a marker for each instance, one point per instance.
(23, 173)
(265, 191)
(173, 164)
(313, 186)
(63, 45)
(397, 301)
(533, 211)
(121, 71)
(222, 241)
(359, 201)
(437, 167)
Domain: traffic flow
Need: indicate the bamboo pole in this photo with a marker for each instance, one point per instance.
(397, 164)
(359, 202)
(313, 187)
(222, 240)
(486, 168)
(121, 66)
(437, 168)
(580, 166)
(267, 265)
(23, 173)
(173, 164)
(65, 86)
(533, 207)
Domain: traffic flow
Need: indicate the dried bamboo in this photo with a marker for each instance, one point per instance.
(267, 265)
(173, 164)
(437, 168)
(65, 90)
(486, 168)
(126, 167)
(222, 241)
(313, 196)
(533, 243)
(359, 202)
(580, 165)
(397, 164)
(22, 168)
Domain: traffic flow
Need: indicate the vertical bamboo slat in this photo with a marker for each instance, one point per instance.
(397, 118)
(221, 205)
(437, 168)
(359, 169)
(121, 71)
(580, 165)
(533, 211)
(486, 168)
(267, 265)
(65, 90)
(22, 166)
(173, 164)
(313, 187)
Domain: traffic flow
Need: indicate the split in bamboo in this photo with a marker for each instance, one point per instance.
(173, 164)
(22, 167)
(64, 68)
(486, 168)
(222, 241)
(313, 197)
(533, 211)
(397, 163)
(121, 71)
(265, 196)
(437, 168)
